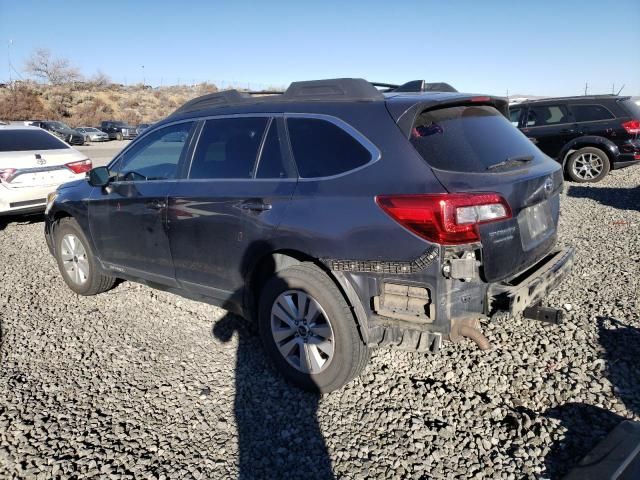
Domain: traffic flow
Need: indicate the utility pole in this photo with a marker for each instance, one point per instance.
(9, 58)
(586, 88)
(143, 79)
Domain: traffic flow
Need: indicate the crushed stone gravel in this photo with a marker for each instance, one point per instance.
(139, 383)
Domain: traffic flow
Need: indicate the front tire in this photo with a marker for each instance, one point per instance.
(308, 330)
(76, 261)
(119, 136)
(588, 165)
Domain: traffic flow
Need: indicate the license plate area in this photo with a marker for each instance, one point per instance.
(536, 225)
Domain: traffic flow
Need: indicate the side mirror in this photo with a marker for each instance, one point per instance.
(99, 177)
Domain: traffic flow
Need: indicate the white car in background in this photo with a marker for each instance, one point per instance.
(33, 163)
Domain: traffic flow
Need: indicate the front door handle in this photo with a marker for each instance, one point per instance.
(256, 206)
(156, 204)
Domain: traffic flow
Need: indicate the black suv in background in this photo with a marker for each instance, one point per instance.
(60, 130)
(336, 216)
(588, 135)
(118, 130)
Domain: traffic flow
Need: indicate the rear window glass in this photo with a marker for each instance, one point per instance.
(468, 139)
(633, 107)
(590, 113)
(322, 149)
(23, 140)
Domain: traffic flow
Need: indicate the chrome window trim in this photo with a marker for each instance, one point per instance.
(375, 153)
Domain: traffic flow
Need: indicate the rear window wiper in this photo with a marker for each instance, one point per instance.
(511, 161)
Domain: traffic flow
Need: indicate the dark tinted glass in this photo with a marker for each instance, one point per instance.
(540, 115)
(272, 164)
(155, 157)
(228, 148)
(321, 148)
(468, 138)
(590, 113)
(21, 140)
(514, 115)
(633, 107)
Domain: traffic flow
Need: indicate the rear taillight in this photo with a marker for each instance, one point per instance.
(448, 218)
(79, 167)
(7, 174)
(632, 127)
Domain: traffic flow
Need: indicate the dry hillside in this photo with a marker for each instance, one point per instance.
(87, 103)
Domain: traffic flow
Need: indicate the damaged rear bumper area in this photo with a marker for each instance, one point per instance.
(524, 292)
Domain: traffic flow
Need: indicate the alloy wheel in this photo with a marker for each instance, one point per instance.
(587, 166)
(74, 259)
(302, 331)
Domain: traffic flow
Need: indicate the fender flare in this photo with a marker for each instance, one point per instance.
(604, 144)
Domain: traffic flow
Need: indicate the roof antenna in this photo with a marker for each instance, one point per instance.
(620, 89)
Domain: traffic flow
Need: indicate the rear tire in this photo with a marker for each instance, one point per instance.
(119, 136)
(76, 261)
(588, 165)
(318, 352)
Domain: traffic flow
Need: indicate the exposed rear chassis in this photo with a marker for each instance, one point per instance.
(532, 285)
(514, 295)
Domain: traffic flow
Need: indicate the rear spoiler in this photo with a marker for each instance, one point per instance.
(405, 116)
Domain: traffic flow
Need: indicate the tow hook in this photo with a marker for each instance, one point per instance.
(544, 314)
(469, 328)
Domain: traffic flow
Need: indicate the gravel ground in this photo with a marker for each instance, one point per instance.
(141, 383)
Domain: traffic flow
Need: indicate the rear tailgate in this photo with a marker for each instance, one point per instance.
(473, 148)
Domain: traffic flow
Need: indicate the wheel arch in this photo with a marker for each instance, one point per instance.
(607, 146)
(272, 262)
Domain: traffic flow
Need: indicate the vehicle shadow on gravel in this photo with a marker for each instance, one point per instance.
(23, 219)
(620, 198)
(586, 425)
(278, 431)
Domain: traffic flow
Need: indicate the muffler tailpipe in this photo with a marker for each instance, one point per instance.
(469, 328)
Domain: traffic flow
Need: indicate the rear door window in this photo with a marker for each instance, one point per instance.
(590, 113)
(468, 139)
(228, 148)
(322, 149)
(542, 115)
(24, 140)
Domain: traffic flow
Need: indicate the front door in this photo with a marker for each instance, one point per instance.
(128, 217)
(221, 217)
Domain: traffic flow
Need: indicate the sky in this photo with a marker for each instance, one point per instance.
(543, 47)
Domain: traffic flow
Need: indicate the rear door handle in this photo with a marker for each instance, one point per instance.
(156, 204)
(256, 206)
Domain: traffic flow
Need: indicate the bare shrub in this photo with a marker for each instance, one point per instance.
(56, 71)
(92, 112)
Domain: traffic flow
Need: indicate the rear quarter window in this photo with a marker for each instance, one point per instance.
(323, 149)
(468, 138)
(590, 113)
(24, 140)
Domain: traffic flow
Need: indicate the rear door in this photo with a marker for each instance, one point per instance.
(595, 119)
(128, 217)
(476, 149)
(222, 216)
(550, 127)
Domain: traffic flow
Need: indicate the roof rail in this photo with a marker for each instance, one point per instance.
(337, 89)
(212, 100)
(423, 86)
(334, 89)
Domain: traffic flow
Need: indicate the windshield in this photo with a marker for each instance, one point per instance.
(24, 140)
(468, 139)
